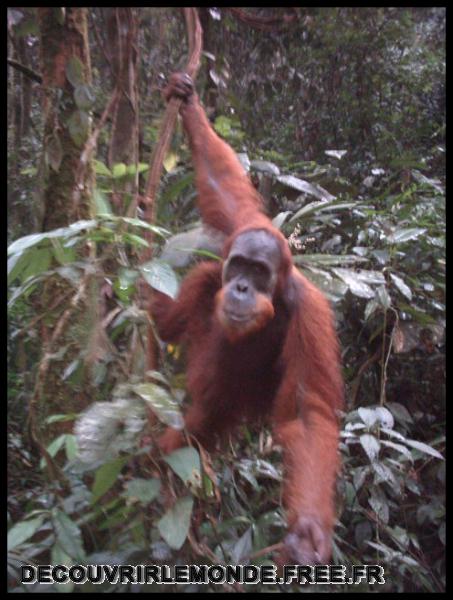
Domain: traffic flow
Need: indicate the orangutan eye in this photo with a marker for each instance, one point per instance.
(260, 270)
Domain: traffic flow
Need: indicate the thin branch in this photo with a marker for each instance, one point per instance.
(55, 472)
(25, 70)
(90, 146)
(194, 36)
(265, 23)
(358, 379)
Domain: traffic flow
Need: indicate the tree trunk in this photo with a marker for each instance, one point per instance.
(66, 72)
(65, 66)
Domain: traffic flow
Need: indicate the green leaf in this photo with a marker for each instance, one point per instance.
(359, 281)
(335, 153)
(101, 169)
(29, 26)
(20, 532)
(74, 228)
(143, 490)
(401, 286)
(26, 242)
(106, 477)
(370, 277)
(370, 308)
(379, 504)
(60, 16)
(119, 170)
(329, 259)
(16, 264)
(418, 314)
(162, 403)
(310, 208)
(258, 468)
(442, 533)
(84, 97)
(185, 462)
(160, 276)
(362, 533)
(400, 412)
(383, 297)
(64, 256)
(371, 445)
(101, 203)
(135, 240)
(29, 171)
(242, 548)
(40, 260)
(385, 417)
(170, 161)
(139, 168)
(435, 183)
(54, 152)
(54, 448)
(24, 290)
(59, 557)
(359, 477)
(406, 162)
(124, 285)
(127, 277)
(74, 71)
(223, 126)
(355, 284)
(174, 525)
(68, 535)
(307, 188)
(384, 474)
(204, 254)
(399, 448)
(79, 127)
(139, 223)
(404, 235)
(279, 219)
(71, 446)
(117, 518)
(103, 234)
(368, 416)
(422, 447)
(60, 418)
(265, 166)
(382, 256)
(393, 434)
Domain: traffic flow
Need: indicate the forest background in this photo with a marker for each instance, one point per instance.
(338, 114)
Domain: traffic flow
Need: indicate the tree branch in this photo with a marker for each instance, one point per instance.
(25, 70)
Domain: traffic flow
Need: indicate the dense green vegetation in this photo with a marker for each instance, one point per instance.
(338, 114)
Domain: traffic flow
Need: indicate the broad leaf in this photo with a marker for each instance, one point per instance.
(371, 445)
(185, 462)
(106, 477)
(144, 490)
(161, 277)
(162, 403)
(22, 531)
(174, 525)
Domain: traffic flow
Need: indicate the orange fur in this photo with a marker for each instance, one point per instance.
(264, 312)
(283, 365)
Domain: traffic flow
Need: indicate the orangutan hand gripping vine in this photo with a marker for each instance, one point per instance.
(260, 340)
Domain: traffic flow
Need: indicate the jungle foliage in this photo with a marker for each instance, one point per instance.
(338, 115)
